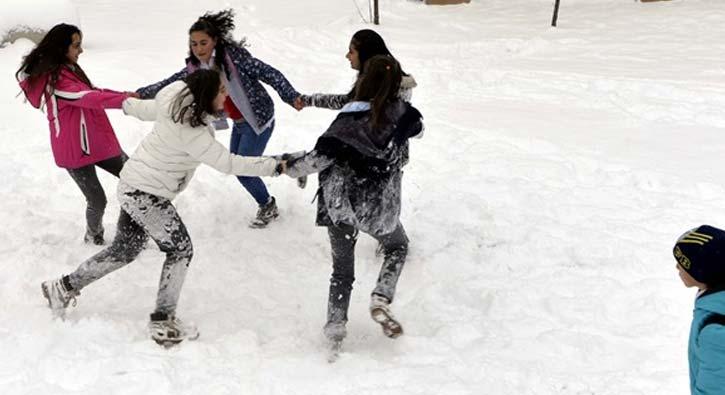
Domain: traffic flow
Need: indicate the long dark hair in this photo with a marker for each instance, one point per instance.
(379, 84)
(368, 43)
(219, 26)
(202, 86)
(50, 55)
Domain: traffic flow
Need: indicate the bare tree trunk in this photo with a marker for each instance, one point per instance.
(556, 14)
(376, 18)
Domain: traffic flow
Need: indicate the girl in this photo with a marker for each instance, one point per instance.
(360, 159)
(364, 45)
(80, 134)
(162, 167)
(211, 46)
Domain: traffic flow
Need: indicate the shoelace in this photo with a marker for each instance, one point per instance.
(70, 297)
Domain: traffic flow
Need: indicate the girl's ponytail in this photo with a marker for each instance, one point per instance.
(379, 84)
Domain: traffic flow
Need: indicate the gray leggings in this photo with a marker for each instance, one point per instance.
(342, 239)
(143, 215)
(87, 180)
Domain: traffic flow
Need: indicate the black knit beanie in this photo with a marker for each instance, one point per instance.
(701, 252)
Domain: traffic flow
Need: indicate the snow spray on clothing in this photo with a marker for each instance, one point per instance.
(143, 215)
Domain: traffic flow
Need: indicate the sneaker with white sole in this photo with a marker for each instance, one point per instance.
(265, 214)
(59, 296)
(380, 313)
(169, 330)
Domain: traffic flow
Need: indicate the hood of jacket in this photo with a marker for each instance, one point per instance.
(408, 82)
(33, 92)
(713, 302)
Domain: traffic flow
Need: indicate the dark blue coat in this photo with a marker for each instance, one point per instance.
(244, 73)
(361, 168)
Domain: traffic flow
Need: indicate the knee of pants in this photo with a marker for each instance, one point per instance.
(185, 250)
(181, 250)
(342, 280)
(247, 180)
(399, 248)
(128, 250)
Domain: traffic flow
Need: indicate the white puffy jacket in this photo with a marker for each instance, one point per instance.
(166, 159)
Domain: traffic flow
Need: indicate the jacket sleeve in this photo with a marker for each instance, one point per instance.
(312, 162)
(202, 146)
(150, 91)
(144, 110)
(322, 100)
(710, 377)
(75, 94)
(267, 74)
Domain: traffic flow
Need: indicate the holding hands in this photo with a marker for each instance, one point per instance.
(298, 104)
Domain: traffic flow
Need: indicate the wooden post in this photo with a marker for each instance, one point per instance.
(376, 17)
(556, 14)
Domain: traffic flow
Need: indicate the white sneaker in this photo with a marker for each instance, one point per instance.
(170, 331)
(380, 312)
(58, 297)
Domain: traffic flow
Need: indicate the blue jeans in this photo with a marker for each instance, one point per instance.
(245, 142)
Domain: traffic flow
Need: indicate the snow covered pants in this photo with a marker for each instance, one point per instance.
(342, 239)
(87, 180)
(143, 215)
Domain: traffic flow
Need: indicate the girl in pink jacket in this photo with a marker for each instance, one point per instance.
(80, 134)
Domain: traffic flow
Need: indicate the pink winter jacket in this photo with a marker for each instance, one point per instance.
(80, 133)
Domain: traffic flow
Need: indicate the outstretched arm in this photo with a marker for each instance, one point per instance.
(270, 76)
(150, 91)
(322, 100)
(312, 162)
(202, 146)
(144, 110)
(72, 93)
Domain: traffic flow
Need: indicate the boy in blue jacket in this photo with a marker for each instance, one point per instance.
(700, 255)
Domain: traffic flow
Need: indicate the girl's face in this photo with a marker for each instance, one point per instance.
(221, 96)
(354, 57)
(688, 280)
(74, 49)
(202, 45)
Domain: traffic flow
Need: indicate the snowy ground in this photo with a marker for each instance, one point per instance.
(557, 169)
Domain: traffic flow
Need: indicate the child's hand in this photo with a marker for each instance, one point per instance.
(133, 94)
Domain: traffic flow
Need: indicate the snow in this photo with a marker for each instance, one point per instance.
(34, 16)
(557, 169)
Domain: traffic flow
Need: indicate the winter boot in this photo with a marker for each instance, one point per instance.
(265, 214)
(58, 294)
(380, 312)
(96, 239)
(168, 330)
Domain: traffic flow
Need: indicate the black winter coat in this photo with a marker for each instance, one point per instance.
(361, 168)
